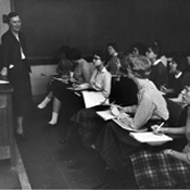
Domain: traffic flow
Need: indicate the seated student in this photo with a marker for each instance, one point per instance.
(179, 75)
(123, 92)
(113, 63)
(159, 74)
(64, 69)
(114, 142)
(82, 73)
(168, 168)
(100, 82)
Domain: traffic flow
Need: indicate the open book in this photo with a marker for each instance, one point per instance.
(151, 138)
(92, 99)
(107, 115)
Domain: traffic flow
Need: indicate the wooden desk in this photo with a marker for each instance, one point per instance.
(7, 140)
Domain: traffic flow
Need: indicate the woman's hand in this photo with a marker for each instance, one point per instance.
(114, 110)
(166, 90)
(157, 129)
(72, 80)
(168, 152)
(121, 109)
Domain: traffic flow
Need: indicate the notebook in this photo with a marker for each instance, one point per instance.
(150, 137)
(92, 99)
(106, 115)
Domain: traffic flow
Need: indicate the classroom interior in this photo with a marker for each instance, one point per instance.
(87, 25)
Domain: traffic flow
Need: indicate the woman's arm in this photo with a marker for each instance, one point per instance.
(128, 109)
(86, 72)
(179, 155)
(107, 85)
(171, 130)
(176, 130)
(144, 112)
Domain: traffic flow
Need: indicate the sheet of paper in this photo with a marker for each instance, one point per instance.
(92, 99)
(4, 82)
(146, 137)
(106, 115)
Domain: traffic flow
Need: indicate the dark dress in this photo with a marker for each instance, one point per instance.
(159, 75)
(19, 74)
(70, 101)
(178, 84)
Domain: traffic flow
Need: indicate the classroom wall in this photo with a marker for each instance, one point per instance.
(5, 7)
(91, 24)
(39, 81)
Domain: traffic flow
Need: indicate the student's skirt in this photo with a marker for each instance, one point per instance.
(158, 170)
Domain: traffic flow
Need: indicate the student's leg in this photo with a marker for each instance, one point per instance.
(55, 112)
(46, 100)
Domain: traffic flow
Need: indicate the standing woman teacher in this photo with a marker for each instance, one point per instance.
(16, 68)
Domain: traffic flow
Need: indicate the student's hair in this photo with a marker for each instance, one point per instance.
(156, 47)
(114, 45)
(100, 54)
(75, 54)
(142, 48)
(139, 65)
(182, 62)
(11, 15)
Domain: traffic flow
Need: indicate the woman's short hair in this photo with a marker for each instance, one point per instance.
(156, 47)
(100, 54)
(75, 54)
(113, 45)
(182, 61)
(139, 65)
(11, 15)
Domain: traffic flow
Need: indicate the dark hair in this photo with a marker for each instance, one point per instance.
(182, 62)
(142, 48)
(114, 45)
(139, 65)
(156, 47)
(11, 15)
(75, 54)
(100, 54)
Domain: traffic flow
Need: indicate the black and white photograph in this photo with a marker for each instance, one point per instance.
(94, 94)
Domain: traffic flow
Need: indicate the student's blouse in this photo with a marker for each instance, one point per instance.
(83, 72)
(151, 105)
(101, 81)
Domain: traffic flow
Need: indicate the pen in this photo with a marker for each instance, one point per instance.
(160, 126)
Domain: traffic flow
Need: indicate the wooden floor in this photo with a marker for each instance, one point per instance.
(47, 169)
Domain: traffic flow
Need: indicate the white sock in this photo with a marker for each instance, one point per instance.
(54, 118)
(44, 103)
